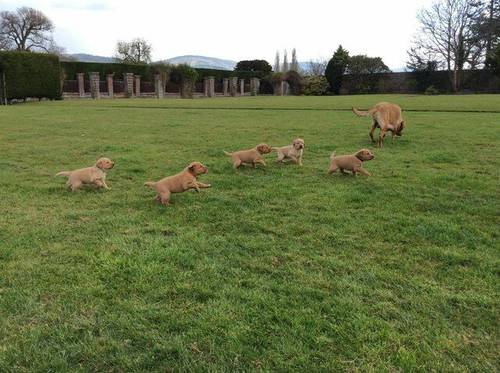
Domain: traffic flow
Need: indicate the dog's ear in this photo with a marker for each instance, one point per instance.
(191, 167)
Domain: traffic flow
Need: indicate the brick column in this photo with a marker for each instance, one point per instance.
(81, 84)
(109, 79)
(94, 85)
(158, 86)
(242, 87)
(233, 86)
(254, 86)
(225, 86)
(211, 86)
(137, 86)
(128, 82)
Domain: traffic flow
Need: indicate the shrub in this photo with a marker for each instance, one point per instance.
(71, 68)
(186, 77)
(30, 74)
(294, 79)
(316, 85)
(261, 66)
(336, 68)
(431, 90)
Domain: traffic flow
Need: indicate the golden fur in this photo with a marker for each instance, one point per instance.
(90, 175)
(179, 183)
(387, 117)
(250, 156)
(353, 162)
(291, 152)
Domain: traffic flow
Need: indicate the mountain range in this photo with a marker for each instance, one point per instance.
(192, 60)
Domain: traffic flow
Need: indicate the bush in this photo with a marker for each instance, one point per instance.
(30, 74)
(186, 77)
(71, 68)
(316, 85)
(431, 90)
(294, 79)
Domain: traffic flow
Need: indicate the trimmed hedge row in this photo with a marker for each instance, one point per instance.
(30, 75)
(70, 69)
(146, 72)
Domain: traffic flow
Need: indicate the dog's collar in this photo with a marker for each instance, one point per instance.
(358, 157)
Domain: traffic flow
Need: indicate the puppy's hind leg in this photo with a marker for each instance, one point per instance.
(281, 157)
(236, 163)
(333, 168)
(164, 197)
(75, 185)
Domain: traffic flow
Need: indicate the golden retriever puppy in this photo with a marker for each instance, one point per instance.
(179, 183)
(89, 175)
(291, 152)
(351, 163)
(250, 156)
(387, 117)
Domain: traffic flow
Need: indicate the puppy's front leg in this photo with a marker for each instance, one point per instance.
(192, 185)
(259, 160)
(363, 171)
(202, 185)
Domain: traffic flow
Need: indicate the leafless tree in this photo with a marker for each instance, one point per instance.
(137, 51)
(446, 35)
(26, 29)
(316, 67)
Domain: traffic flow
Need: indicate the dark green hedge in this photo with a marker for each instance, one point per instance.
(146, 71)
(30, 74)
(70, 69)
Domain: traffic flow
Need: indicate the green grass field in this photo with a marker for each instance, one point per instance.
(282, 268)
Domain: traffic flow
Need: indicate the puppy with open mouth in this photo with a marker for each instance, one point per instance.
(95, 175)
(291, 152)
(352, 162)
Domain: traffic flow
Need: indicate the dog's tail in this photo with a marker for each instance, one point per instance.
(63, 173)
(150, 184)
(274, 148)
(227, 153)
(361, 113)
(332, 156)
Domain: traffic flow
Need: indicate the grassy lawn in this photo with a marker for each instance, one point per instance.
(282, 268)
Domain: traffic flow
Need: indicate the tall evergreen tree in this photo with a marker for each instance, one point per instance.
(277, 62)
(336, 68)
(294, 66)
(285, 62)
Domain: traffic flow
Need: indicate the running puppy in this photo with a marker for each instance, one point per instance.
(351, 163)
(387, 117)
(250, 156)
(292, 152)
(179, 183)
(90, 175)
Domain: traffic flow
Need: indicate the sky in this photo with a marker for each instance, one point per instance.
(234, 29)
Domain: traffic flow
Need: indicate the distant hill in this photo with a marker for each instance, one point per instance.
(203, 62)
(194, 61)
(83, 57)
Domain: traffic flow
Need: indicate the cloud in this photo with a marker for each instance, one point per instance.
(81, 5)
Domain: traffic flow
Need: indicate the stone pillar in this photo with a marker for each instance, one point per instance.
(211, 86)
(109, 79)
(225, 86)
(94, 85)
(278, 88)
(254, 86)
(128, 82)
(81, 84)
(242, 87)
(233, 86)
(206, 86)
(158, 86)
(137, 86)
